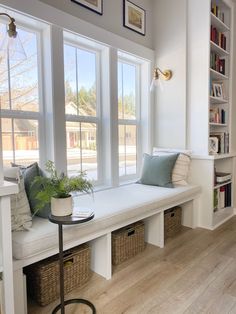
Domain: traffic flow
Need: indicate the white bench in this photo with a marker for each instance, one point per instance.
(114, 208)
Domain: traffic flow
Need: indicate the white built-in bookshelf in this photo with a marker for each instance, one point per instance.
(210, 106)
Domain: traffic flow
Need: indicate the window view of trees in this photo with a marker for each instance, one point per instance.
(127, 77)
(81, 110)
(18, 97)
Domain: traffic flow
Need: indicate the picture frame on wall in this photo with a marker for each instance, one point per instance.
(93, 5)
(134, 17)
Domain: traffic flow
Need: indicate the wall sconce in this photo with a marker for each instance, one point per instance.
(158, 74)
(11, 44)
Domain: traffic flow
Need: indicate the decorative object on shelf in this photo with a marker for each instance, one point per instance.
(213, 145)
(157, 75)
(11, 44)
(93, 5)
(218, 90)
(57, 189)
(134, 17)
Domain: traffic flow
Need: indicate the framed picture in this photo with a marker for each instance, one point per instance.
(213, 145)
(134, 17)
(218, 90)
(94, 5)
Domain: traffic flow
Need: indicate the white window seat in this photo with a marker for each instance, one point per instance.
(113, 209)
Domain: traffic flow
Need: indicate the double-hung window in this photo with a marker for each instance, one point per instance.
(128, 116)
(81, 66)
(20, 101)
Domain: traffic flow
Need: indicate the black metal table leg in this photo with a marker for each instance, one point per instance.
(60, 221)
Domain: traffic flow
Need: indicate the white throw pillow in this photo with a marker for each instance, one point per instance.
(181, 168)
(21, 218)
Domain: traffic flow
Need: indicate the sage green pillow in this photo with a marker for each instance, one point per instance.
(157, 170)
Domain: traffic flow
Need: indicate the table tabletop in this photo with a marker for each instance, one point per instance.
(69, 220)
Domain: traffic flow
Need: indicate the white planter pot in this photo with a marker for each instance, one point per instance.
(61, 206)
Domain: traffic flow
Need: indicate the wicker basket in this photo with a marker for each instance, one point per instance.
(43, 277)
(172, 221)
(127, 242)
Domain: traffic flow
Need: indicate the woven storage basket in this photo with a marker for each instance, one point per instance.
(127, 242)
(43, 277)
(172, 221)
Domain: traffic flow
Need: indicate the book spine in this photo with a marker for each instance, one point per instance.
(222, 197)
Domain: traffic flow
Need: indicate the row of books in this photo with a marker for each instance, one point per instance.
(217, 63)
(223, 142)
(218, 37)
(222, 197)
(215, 9)
(217, 115)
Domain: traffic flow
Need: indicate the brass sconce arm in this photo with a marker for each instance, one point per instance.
(167, 74)
(11, 26)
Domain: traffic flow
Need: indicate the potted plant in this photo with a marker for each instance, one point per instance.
(56, 189)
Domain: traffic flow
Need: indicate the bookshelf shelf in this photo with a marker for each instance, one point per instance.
(217, 75)
(217, 100)
(218, 49)
(222, 184)
(222, 216)
(216, 22)
(218, 124)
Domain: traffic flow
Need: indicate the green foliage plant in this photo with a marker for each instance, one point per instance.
(59, 185)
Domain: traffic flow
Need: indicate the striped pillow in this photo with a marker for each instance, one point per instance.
(181, 168)
(20, 211)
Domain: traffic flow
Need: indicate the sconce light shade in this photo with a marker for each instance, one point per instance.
(158, 75)
(11, 45)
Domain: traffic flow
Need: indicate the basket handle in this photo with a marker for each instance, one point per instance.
(172, 214)
(130, 231)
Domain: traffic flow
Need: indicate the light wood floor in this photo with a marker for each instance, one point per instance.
(194, 273)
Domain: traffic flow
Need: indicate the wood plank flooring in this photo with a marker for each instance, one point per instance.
(194, 273)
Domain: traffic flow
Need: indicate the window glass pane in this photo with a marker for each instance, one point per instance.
(20, 141)
(70, 79)
(20, 77)
(127, 150)
(24, 75)
(80, 81)
(82, 148)
(26, 141)
(126, 91)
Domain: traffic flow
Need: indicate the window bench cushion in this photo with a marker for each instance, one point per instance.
(112, 208)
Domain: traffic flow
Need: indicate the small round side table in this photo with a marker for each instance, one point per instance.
(60, 221)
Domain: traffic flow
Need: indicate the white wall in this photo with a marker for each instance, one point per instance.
(170, 44)
(112, 18)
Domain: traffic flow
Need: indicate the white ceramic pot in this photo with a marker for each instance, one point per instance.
(61, 206)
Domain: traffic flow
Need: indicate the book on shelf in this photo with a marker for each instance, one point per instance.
(217, 115)
(222, 177)
(218, 38)
(222, 197)
(216, 10)
(217, 63)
